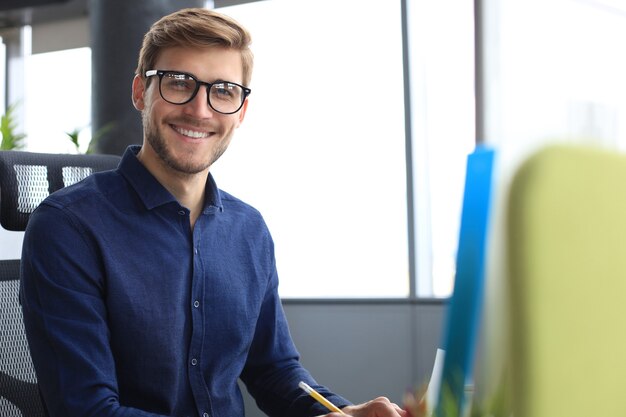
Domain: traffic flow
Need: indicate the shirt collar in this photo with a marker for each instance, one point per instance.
(151, 192)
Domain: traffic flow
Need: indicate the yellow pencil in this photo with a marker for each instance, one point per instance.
(319, 398)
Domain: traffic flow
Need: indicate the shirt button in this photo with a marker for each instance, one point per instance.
(196, 304)
(195, 250)
(181, 212)
(194, 361)
(205, 414)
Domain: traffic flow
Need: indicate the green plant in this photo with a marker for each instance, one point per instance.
(10, 139)
(74, 134)
(497, 404)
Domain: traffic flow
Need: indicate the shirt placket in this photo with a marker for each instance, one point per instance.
(196, 364)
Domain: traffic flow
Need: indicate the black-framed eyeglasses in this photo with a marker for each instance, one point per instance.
(180, 88)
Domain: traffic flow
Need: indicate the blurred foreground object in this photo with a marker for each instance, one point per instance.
(566, 240)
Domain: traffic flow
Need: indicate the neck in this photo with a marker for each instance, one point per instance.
(188, 189)
(189, 193)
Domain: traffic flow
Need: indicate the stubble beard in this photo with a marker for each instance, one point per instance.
(186, 164)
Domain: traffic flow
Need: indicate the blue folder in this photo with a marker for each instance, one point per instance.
(464, 311)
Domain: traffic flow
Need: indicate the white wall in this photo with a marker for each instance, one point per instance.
(10, 244)
(365, 349)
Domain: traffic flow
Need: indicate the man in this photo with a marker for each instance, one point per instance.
(146, 290)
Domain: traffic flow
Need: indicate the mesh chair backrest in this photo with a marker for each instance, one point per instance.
(27, 178)
(19, 395)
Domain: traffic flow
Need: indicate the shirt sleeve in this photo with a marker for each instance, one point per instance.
(65, 318)
(273, 369)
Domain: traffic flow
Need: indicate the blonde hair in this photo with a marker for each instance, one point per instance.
(195, 27)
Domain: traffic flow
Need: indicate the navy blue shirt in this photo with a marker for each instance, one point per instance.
(130, 312)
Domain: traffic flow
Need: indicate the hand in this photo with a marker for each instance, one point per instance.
(378, 407)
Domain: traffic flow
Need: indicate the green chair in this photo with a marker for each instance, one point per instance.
(566, 245)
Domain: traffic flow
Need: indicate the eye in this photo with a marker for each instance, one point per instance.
(222, 89)
(226, 91)
(178, 81)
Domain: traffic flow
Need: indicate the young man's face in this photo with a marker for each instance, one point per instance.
(188, 138)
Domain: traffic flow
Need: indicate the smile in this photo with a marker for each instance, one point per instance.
(192, 133)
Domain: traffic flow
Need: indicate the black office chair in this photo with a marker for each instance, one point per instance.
(27, 178)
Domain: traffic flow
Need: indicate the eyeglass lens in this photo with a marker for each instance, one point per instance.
(178, 88)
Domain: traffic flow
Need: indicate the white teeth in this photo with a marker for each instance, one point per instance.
(192, 133)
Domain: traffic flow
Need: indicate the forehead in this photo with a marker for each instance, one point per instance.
(207, 64)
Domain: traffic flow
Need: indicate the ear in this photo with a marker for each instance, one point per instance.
(139, 90)
(242, 112)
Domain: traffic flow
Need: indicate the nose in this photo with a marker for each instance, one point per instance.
(199, 107)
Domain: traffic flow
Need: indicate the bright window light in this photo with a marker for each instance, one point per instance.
(441, 52)
(58, 100)
(325, 163)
